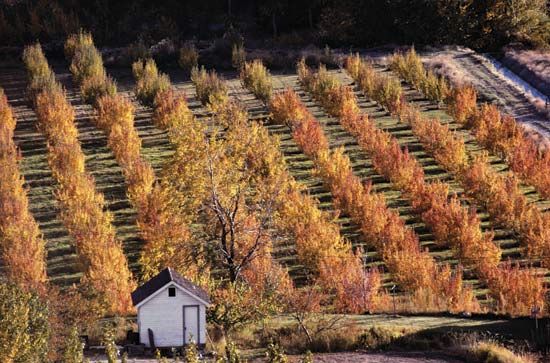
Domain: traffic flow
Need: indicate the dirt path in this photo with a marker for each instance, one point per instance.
(386, 357)
(462, 64)
(347, 357)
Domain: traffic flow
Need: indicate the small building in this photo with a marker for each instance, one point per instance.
(171, 311)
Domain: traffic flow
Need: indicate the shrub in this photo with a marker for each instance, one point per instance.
(363, 73)
(275, 354)
(169, 109)
(108, 341)
(211, 90)
(188, 57)
(383, 89)
(462, 103)
(86, 63)
(238, 56)
(450, 222)
(388, 92)
(76, 41)
(379, 337)
(508, 206)
(318, 242)
(93, 88)
(494, 353)
(136, 50)
(116, 118)
(257, 79)
(356, 289)
(40, 75)
(191, 353)
(73, 352)
(149, 81)
(410, 67)
(448, 149)
(172, 205)
(24, 325)
(87, 68)
(517, 290)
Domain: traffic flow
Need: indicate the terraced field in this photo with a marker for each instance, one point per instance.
(62, 265)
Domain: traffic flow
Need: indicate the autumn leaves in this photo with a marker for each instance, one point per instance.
(82, 208)
(225, 197)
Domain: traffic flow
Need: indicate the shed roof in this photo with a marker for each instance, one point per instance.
(161, 279)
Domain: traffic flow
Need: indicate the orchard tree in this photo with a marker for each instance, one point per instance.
(238, 220)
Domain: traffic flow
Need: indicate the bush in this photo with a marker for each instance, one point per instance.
(24, 325)
(383, 89)
(93, 88)
(462, 103)
(255, 77)
(238, 56)
(87, 68)
(378, 338)
(275, 354)
(211, 90)
(76, 41)
(188, 57)
(87, 63)
(73, 352)
(490, 352)
(410, 67)
(135, 51)
(39, 72)
(149, 81)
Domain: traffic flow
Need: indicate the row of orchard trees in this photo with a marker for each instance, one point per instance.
(160, 223)
(37, 318)
(100, 254)
(452, 224)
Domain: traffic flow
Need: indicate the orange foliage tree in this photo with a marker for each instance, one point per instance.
(22, 247)
(82, 207)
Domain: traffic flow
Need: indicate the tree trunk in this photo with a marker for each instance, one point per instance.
(305, 329)
(310, 18)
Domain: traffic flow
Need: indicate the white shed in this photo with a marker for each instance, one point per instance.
(172, 309)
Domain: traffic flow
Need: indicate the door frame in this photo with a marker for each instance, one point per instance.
(198, 323)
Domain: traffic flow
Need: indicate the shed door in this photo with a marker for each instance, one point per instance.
(191, 326)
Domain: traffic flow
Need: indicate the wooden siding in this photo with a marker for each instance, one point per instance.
(164, 316)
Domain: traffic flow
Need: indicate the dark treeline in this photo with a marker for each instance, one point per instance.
(482, 24)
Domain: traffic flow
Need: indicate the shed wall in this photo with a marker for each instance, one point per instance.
(164, 316)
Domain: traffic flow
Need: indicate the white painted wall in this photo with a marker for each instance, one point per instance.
(164, 315)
